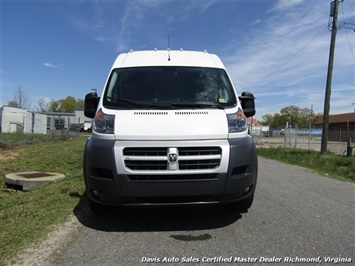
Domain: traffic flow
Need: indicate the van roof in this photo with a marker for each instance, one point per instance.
(161, 58)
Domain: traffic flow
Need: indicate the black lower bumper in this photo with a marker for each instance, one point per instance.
(106, 186)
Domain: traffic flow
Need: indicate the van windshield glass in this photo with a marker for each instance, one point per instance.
(168, 87)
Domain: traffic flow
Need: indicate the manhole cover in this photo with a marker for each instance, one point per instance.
(34, 175)
(31, 180)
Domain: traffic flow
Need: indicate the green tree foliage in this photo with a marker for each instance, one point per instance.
(66, 105)
(292, 116)
(268, 119)
(12, 104)
(54, 106)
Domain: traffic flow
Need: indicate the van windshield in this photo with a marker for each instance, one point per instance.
(168, 87)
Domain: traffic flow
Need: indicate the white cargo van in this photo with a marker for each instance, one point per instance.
(169, 129)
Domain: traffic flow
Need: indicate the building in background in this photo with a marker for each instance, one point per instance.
(68, 121)
(19, 120)
(341, 127)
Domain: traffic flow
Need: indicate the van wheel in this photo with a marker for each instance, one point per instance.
(97, 208)
(243, 205)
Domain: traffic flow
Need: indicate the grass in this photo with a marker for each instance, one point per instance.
(11, 140)
(338, 167)
(26, 217)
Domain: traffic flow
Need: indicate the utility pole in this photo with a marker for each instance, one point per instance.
(325, 131)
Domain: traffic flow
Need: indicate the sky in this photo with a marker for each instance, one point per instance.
(276, 49)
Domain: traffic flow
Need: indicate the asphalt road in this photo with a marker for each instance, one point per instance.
(297, 216)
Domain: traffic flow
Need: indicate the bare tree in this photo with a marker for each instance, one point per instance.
(20, 97)
(43, 105)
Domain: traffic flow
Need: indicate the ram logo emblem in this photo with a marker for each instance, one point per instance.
(173, 157)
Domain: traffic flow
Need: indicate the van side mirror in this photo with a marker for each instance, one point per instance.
(247, 100)
(90, 104)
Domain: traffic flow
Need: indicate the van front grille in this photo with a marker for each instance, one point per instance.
(146, 165)
(144, 152)
(185, 158)
(199, 164)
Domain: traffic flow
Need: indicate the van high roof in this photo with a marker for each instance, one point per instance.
(161, 58)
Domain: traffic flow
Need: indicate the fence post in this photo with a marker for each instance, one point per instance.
(349, 149)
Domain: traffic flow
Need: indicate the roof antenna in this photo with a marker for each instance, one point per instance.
(168, 48)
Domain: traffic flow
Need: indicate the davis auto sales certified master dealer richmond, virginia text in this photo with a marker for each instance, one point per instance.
(237, 259)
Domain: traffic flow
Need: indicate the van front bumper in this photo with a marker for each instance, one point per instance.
(108, 183)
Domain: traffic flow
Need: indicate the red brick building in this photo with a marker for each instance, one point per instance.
(338, 126)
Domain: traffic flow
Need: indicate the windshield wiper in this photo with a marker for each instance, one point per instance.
(197, 105)
(140, 105)
(116, 100)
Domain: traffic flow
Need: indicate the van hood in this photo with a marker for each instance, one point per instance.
(171, 124)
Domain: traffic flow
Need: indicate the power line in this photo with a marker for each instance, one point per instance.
(282, 38)
(292, 56)
(344, 24)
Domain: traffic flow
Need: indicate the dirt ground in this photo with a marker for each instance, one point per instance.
(48, 251)
(7, 154)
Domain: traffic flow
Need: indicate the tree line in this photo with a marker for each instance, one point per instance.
(67, 105)
(291, 116)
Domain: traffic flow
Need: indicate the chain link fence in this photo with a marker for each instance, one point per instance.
(302, 138)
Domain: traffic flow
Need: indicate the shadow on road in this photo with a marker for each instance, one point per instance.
(139, 219)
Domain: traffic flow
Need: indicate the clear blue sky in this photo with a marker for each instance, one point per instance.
(276, 49)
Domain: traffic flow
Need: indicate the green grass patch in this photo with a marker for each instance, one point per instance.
(27, 217)
(11, 140)
(338, 167)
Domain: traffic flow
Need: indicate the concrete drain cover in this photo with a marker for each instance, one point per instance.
(31, 180)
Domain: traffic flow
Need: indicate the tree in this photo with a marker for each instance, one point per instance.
(291, 114)
(12, 104)
(42, 105)
(54, 106)
(268, 120)
(79, 103)
(20, 98)
(279, 121)
(316, 117)
(305, 117)
(66, 105)
(274, 121)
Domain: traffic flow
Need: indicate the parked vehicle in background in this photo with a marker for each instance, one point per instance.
(86, 127)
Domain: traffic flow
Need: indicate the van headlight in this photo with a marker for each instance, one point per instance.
(104, 123)
(237, 122)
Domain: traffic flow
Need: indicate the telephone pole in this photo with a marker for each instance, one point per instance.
(325, 131)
